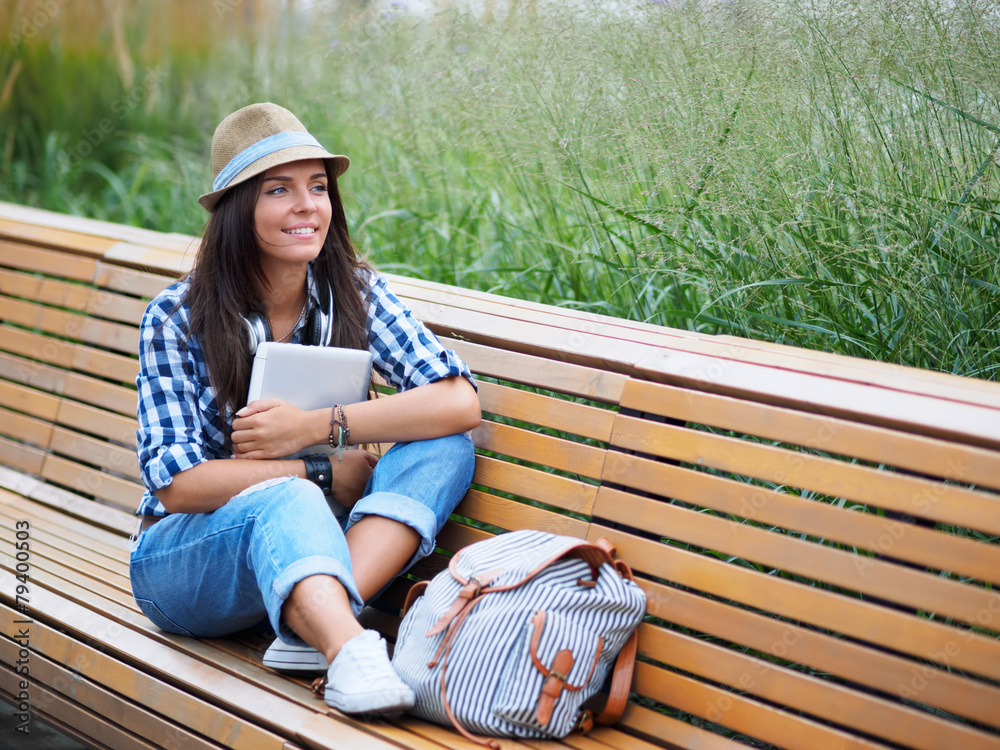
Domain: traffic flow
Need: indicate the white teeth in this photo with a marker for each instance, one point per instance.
(303, 230)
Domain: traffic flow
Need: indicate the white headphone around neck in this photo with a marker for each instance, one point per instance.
(319, 325)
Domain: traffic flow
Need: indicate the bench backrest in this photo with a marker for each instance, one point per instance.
(819, 558)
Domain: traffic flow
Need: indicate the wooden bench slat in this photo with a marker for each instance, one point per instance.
(767, 353)
(130, 281)
(114, 427)
(21, 427)
(143, 258)
(545, 411)
(659, 726)
(70, 230)
(122, 494)
(871, 577)
(855, 618)
(448, 738)
(62, 571)
(34, 346)
(103, 518)
(85, 299)
(85, 555)
(837, 436)
(707, 370)
(21, 457)
(967, 423)
(72, 385)
(81, 244)
(453, 536)
(565, 455)
(813, 358)
(826, 476)
(167, 700)
(60, 574)
(264, 708)
(879, 670)
(65, 556)
(52, 262)
(511, 515)
(26, 372)
(68, 355)
(863, 531)
(97, 393)
(534, 484)
(403, 732)
(107, 456)
(28, 400)
(44, 714)
(106, 365)
(562, 377)
(70, 325)
(821, 699)
(743, 714)
(60, 529)
(84, 721)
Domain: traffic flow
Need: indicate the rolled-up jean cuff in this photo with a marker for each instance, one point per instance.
(400, 508)
(297, 571)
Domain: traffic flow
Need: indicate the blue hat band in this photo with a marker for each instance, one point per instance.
(261, 148)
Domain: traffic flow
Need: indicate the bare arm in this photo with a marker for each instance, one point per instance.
(268, 429)
(211, 484)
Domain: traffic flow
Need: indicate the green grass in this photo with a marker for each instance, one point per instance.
(773, 170)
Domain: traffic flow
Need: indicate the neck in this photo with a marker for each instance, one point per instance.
(286, 294)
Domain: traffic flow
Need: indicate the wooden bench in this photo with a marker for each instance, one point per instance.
(817, 535)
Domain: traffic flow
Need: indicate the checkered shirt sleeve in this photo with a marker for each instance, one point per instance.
(179, 422)
(403, 351)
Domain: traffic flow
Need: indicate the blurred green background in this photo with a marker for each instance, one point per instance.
(822, 174)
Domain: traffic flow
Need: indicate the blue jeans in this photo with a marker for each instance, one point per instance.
(212, 574)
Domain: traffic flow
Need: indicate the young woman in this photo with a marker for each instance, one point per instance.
(233, 534)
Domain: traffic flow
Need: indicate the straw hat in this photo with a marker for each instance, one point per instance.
(254, 139)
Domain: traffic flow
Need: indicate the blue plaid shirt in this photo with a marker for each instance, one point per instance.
(180, 424)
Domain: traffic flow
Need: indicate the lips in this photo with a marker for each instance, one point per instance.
(300, 230)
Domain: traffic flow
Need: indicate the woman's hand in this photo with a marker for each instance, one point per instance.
(269, 428)
(351, 475)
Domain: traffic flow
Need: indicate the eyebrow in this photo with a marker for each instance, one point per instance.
(316, 176)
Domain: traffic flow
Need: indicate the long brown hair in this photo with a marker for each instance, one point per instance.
(227, 275)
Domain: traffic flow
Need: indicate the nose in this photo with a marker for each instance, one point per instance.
(304, 201)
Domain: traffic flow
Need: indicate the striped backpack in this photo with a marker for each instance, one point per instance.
(518, 633)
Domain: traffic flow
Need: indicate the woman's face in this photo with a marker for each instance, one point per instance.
(292, 215)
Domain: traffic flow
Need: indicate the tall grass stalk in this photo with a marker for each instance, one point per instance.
(819, 174)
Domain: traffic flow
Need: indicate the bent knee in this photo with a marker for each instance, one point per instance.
(288, 493)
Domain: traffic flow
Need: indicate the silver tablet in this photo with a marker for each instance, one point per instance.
(310, 377)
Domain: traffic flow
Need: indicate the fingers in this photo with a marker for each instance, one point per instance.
(256, 407)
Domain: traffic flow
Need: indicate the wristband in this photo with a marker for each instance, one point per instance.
(319, 471)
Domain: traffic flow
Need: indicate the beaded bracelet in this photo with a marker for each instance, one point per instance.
(319, 471)
(338, 419)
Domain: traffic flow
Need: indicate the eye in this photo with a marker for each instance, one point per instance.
(276, 190)
(320, 187)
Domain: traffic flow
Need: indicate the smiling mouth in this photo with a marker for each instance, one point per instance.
(304, 230)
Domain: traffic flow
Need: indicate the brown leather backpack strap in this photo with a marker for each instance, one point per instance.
(416, 591)
(621, 682)
(605, 544)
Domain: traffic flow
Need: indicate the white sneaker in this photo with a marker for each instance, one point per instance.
(295, 659)
(362, 680)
